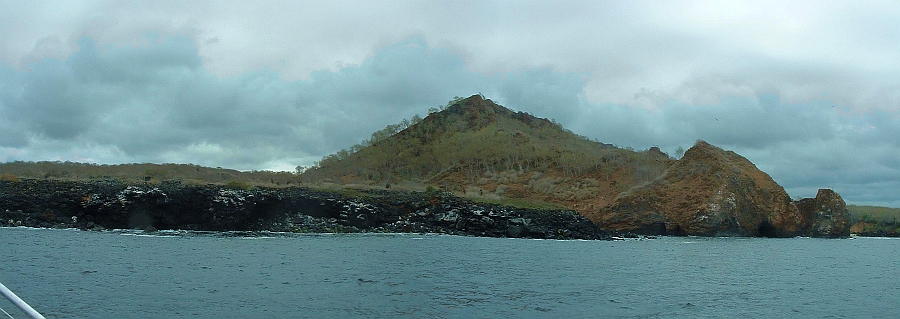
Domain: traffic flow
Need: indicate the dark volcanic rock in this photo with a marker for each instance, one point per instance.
(173, 205)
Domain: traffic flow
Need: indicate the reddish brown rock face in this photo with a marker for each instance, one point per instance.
(709, 192)
(826, 215)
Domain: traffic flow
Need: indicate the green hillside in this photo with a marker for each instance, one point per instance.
(477, 136)
(873, 214)
(143, 173)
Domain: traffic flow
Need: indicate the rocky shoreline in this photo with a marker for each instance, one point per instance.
(876, 229)
(170, 205)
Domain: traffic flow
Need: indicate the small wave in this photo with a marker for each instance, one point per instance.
(876, 238)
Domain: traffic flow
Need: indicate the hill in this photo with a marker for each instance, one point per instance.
(477, 148)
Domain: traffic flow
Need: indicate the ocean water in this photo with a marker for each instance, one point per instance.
(78, 274)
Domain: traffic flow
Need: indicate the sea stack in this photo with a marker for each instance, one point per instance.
(826, 215)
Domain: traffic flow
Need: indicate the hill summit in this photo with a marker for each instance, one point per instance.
(476, 148)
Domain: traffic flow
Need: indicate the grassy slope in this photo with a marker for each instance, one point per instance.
(873, 213)
(143, 172)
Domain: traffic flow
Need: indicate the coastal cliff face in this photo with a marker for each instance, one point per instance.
(713, 192)
(826, 215)
(172, 205)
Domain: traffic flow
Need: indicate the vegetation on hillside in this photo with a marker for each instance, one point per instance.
(481, 150)
(875, 220)
(376, 137)
(875, 214)
(475, 137)
(12, 171)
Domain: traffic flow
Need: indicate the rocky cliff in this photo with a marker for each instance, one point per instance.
(713, 192)
(825, 216)
(173, 205)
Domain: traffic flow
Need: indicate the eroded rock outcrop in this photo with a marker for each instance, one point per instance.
(709, 192)
(826, 215)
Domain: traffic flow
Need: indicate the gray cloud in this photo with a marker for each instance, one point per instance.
(152, 102)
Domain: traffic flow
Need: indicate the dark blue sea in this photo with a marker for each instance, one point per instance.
(79, 274)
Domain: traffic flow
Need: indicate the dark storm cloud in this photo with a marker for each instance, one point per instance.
(542, 91)
(155, 102)
(144, 100)
(398, 82)
(12, 132)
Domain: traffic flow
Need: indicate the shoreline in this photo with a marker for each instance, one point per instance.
(98, 205)
(285, 234)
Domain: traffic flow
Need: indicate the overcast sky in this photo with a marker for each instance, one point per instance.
(807, 90)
